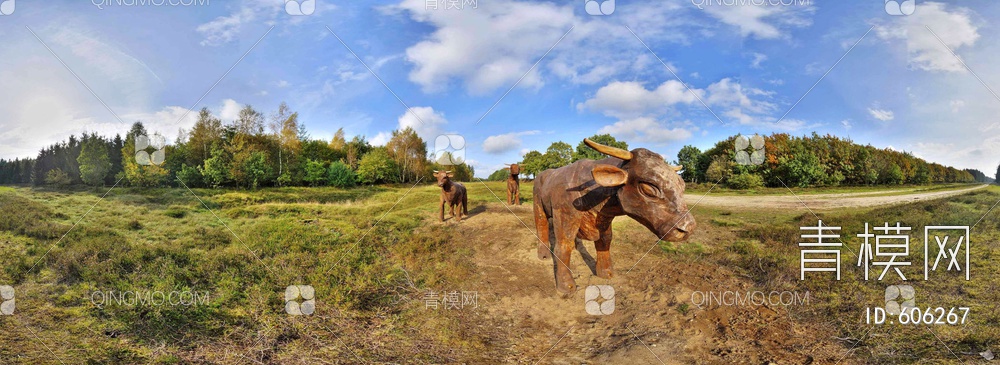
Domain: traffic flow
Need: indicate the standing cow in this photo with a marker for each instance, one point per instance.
(514, 185)
(452, 193)
(580, 200)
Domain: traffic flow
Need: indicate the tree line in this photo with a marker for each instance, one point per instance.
(251, 151)
(805, 161)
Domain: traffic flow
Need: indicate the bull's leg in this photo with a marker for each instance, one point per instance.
(566, 229)
(452, 206)
(542, 226)
(510, 195)
(603, 246)
(442, 210)
(458, 216)
(517, 194)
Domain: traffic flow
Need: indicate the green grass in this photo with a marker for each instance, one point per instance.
(766, 251)
(873, 190)
(243, 249)
(246, 246)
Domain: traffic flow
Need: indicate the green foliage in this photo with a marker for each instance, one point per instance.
(533, 163)
(57, 177)
(94, 161)
(315, 173)
(746, 181)
(688, 158)
(377, 167)
(585, 152)
(190, 176)
(341, 175)
(257, 169)
(216, 170)
(499, 175)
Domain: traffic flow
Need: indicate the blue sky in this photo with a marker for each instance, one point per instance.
(900, 86)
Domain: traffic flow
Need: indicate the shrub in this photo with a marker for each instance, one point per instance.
(189, 175)
(341, 175)
(57, 177)
(315, 173)
(746, 180)
(376, 167)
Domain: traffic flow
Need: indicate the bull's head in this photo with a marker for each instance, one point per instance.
(514, 169)
(649, 189)
(443, 177)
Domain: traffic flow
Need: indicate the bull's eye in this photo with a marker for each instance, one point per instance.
(649, 190)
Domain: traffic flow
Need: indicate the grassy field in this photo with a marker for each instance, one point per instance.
(372, 253)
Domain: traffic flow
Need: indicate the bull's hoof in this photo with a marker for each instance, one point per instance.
(605, 273)
(566, 287)
(543, 252)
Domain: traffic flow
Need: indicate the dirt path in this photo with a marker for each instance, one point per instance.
(818, 201)
(652, 321)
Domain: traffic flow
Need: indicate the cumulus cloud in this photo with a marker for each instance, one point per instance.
(505, 142)
(881, 114)
(645, 130)
(953, 25)
(763, 21)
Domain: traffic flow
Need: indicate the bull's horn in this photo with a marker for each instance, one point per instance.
(608, 150)
(677, 168)
(435, 171)
(448, 172)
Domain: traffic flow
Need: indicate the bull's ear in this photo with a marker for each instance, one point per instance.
(610, 176)
(451, 175)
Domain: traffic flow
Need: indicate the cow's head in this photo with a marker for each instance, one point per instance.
(650, 190)
(515, 169)
(443, 177)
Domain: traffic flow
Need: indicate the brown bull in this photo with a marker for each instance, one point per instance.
(514, 185)
(580, 200)
(452, 193)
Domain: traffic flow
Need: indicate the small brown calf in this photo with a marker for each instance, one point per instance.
(514, 185)
(452, 193)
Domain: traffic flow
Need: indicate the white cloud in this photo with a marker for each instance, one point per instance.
(631, 99)
(956, 105)
(225, 29)
(881, 114)
(428, 124)
(953, 25)
(846, 123)
(758, 58)
(645, 130)
(763, 21)
(230, 110)
(505, 142)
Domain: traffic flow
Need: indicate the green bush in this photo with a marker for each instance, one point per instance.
(377, 167)
(341, 175)
(57, 177)
(746, 180)
(190, 176)
(315, 173)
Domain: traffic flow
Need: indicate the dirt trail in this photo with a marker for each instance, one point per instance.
(817, 201)
(653, 320)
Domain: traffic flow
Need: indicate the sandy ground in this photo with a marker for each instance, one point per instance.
(818, 201)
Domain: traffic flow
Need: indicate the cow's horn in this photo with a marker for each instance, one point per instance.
(677, 168)
(435, 171)
(608, 150)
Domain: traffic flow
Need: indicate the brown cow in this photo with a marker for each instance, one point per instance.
(580, 201)
(514, 185)
(452, 193)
